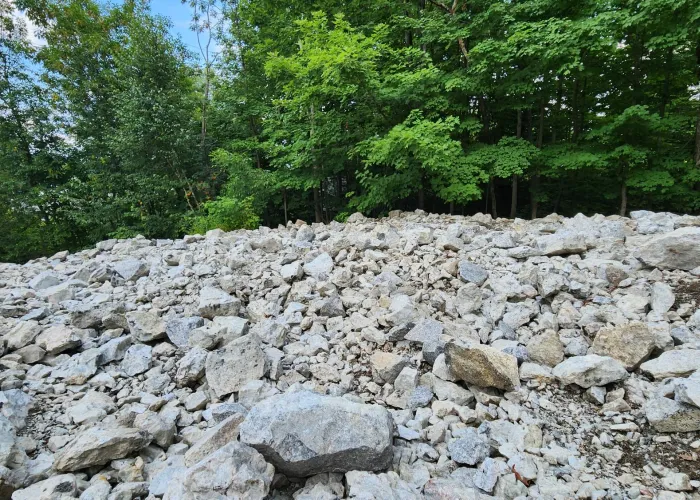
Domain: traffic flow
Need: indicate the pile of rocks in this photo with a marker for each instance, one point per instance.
(417, 356)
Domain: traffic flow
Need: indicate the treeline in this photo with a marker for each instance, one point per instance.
(316, 109)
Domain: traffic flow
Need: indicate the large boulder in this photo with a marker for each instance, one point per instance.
(482, 365)
(679, 249)
(98, 446)
(304, 433)
(590, 370)
(630, 344)
(238, 362)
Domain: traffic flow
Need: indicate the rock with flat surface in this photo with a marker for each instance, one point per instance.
(131, 269)
(472, 273)
(215, 438)
(319, 268)
(234, 471)
(679, 249)
(54, 488)
(229, 368)
(587, 371)
(562, 243)
(630, 344)
(469, 447)
(679, 363)
(344, 436)
(137, 359)
(667, 415)
(178, 329)
(364, 485)
(482, 365)
(387, 365)
(546, 349)
(57, 339)
(22, 334)
(215, 302)
(98, 446)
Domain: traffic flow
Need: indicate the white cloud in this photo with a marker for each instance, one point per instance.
(32, 29)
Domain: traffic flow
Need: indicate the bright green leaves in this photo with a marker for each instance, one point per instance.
(412, 153)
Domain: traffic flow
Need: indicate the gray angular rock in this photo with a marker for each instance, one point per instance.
(472, 273)
(131, 269)
(468, 299)
(234, 471)
(562, 243)
(688, 390)
(15, 405)
(215, 302)
(630, 344)
(161, 429)
(679, 249)
(191, 366)
(22, 334)
(215, 438)
(678, 363)
(587, 371)
(667, 415)
(428, 332)
(367, 486)
(137, 359)
(546, 349)
(469, 447)
(344, 436)
(98, 446)
(178, 329)
(482, 365)
(53, 488)
(662, 297)
(45, 279)
(57, 339)
(79, 368)
(320, 267)
(387, 365)
(229, 368)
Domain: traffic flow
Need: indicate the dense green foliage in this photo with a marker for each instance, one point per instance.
(316, 109)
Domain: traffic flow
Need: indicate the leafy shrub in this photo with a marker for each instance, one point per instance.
(224, 213)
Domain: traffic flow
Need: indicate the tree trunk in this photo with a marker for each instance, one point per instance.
(317, 205)
(492, 191)
(623, 191)
(560, 191)
(697, 140)
(452, 207)
(421, 198)
(535, 179)
(514, 182)
(284, 201)
(534, 189)
(623, 198)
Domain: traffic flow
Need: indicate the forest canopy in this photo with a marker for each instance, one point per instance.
(315, 109)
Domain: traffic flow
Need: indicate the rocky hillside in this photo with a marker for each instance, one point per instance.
(418, 356)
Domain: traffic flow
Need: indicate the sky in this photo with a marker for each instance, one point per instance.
(179, 14)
